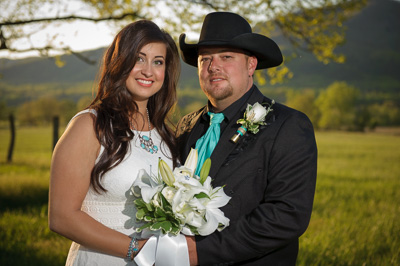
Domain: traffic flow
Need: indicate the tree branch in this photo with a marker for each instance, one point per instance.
(202, 2)
(72, 17)
(45, 50)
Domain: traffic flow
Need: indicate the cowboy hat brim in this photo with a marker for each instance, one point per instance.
(266, 50)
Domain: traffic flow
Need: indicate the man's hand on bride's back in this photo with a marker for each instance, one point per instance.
(191, 243)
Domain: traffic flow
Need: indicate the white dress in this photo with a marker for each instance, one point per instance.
(115, 208)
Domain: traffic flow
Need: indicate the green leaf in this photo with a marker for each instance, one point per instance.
(175, 230)
(149, 207)
(160, 219)
(201, 195)
(148, 218)
(143, 227)
(140, 203)
(159, 212)
(165, 226)
(140, 214)
(164, 201)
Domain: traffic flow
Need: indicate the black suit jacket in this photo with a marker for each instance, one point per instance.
(271, 178)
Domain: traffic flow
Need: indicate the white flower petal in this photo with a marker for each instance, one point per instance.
(145, 186)
(218, 198)
(149, 192)
(197, 204)
(169, 193)
(214, 218)
(207, 184)
(191, 161)
(259, 112)
(211, 224)
(221, 218)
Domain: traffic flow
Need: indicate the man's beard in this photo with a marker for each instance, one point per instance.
(219, 93)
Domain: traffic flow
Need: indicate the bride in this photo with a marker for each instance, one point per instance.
(99, 155)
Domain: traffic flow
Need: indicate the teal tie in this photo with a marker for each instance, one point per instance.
(206, 144)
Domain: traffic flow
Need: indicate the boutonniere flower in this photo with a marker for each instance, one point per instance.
(253, 118)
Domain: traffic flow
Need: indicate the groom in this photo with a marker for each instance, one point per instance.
(271, 174)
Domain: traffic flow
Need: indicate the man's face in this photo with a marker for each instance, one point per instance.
(225, 74)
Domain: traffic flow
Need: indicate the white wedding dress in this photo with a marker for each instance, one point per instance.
(115, 208)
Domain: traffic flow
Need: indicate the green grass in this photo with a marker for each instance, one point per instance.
(25, 237)
(355, 219)
(356, 212)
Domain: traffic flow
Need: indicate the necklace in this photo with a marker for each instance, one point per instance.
(146, 142)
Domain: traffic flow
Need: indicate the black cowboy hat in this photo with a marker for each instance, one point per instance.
(231, 30)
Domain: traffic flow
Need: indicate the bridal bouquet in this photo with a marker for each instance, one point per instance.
(179, 201)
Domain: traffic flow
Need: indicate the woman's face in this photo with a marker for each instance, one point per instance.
(147, 76)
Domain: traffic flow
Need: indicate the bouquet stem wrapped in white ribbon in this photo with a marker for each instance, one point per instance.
(175, 202)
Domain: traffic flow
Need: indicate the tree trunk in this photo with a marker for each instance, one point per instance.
(12, 139)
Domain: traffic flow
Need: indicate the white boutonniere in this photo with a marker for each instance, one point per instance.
(253, 118)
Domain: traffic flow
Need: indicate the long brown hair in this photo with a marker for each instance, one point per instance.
(114, 103)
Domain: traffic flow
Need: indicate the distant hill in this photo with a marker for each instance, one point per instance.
(372, 49)
(39, 70)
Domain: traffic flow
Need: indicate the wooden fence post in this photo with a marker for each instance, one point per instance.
(56, 123)
(12, 139)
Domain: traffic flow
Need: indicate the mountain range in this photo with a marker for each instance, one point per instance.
(372, 51)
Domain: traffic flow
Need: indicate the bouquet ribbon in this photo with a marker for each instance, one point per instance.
(168, 250)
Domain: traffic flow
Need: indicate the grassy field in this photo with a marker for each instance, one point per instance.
(356, 218)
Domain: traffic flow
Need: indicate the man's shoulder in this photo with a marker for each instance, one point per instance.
(188, 121)
(193, 114)
(283, 117)
(284, 112)
(280, 110)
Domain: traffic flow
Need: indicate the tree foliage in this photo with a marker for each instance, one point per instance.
(338, 106)
(386, 114)
(3, 110)
(43, 110)
(342, 107)
(312, 25)
(304, 101)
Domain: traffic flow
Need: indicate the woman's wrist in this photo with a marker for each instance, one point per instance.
(133, 249)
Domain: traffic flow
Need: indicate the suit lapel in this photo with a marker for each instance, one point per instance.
(196, 131)
(225, 146)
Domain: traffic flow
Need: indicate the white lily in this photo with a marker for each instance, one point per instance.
(187, 188)
(191, 161)
(214, 216)
(146, 186)
(179, 204)
(169, 193)
(215, 220)
(194, 218)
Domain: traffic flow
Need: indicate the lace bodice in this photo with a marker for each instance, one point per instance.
(115, 208)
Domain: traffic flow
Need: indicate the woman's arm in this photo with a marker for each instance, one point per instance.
(72, 162)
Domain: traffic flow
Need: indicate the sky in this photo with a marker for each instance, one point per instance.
(79, 35)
